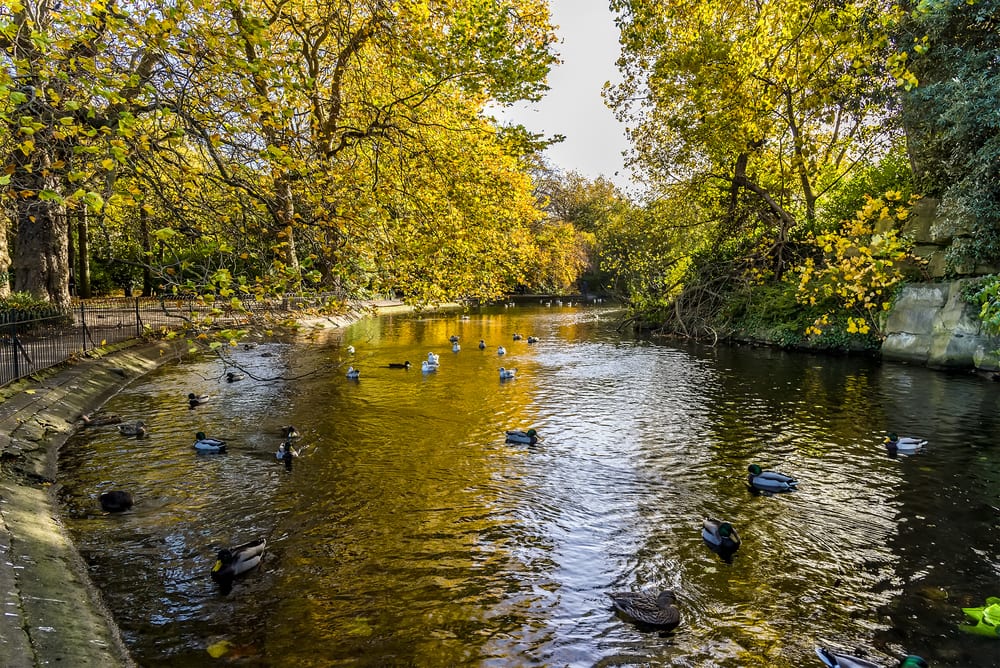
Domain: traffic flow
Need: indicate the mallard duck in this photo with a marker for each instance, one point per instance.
(837, 660)
(289, 431)
(507, 374)
(232, 377)
(517, 337)
(455, 347)
(646, 608)
(100, 420)
(116, 501)
(770, 481)
(137, 429)
(433, 358)
(482, 344)
(453, 338)
(234, 561)
(427, 367)
(399, 365)
(353, 373)
(904, 444)
(501, 351)
(986, 618)
(517, 436)
(532, 339)
(204, 444)
(197, 399)
(720, 536)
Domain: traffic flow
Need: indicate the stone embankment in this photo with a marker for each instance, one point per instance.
(52, 613)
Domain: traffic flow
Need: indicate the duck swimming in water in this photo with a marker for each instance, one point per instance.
(658, 611)
(482, 344)
(234, 561)
(353, 373)
(232, 376)
(399, 365)
(501, 351)
(197, 399)
(427, 367)
(837, 660)
(117, 501)
(770, 481)
(204, 444)
(517, 436)
(904, 444)
(433, 359)
(720, 536)
(137, 429)
(507, 374)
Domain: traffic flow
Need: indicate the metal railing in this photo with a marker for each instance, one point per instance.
(33, 340)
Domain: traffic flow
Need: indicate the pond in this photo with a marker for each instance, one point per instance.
(409, 533)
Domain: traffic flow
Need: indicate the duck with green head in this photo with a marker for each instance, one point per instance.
(837, 660)
(720, 536)
(517, 436)
(770, 481)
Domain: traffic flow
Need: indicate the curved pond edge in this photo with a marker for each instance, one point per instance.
(53, 614)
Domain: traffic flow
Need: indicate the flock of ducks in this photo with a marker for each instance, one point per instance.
(650, 610)
(433, 361)
(231, 562)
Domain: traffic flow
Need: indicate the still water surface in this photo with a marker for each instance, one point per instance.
(409, 533)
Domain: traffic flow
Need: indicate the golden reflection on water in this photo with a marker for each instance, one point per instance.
(409, 533)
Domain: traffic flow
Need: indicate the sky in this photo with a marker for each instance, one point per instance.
(573, 106)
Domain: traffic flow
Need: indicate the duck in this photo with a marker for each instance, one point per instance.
(233, 561)
(116, 501)
(770, 481)
(501, 351)
(249, 346)
(517, 337)
(137, 429)
(399, 365)
(645, 608)
(455, 347)
(427, 367)
(204, 444)
(838, 660)
(353, 373)
(532, 339)
(350, 350)
(433, 358)
(896, 443)
(285, 448)
(720, 536)
(100, 420)
(482, 344)
(197, 399)
(232, 377)
(453, 338)
(507, 374)
(289, 431)
(986, 618)
(517, 436)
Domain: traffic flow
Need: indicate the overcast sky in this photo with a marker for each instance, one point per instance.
(573, 106)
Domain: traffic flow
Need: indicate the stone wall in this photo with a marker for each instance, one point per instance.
(932, 324)
(936, 235)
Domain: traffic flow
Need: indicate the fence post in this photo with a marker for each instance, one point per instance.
(83, 322)
(138, 322)
(14, 349)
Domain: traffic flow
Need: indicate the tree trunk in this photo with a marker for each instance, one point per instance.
(83, 237)
(41, 259)
(286, 220)
(147, 274)
(4, 259)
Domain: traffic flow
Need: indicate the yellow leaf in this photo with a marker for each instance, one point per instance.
(29, 391)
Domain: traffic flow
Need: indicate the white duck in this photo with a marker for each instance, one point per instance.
(501, 351)
(507, 374)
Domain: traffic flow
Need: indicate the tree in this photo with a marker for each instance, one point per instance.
(73, 82)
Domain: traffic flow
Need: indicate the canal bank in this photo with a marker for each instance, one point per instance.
(52, 613)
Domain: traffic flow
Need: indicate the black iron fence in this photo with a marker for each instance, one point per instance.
(32, 340)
